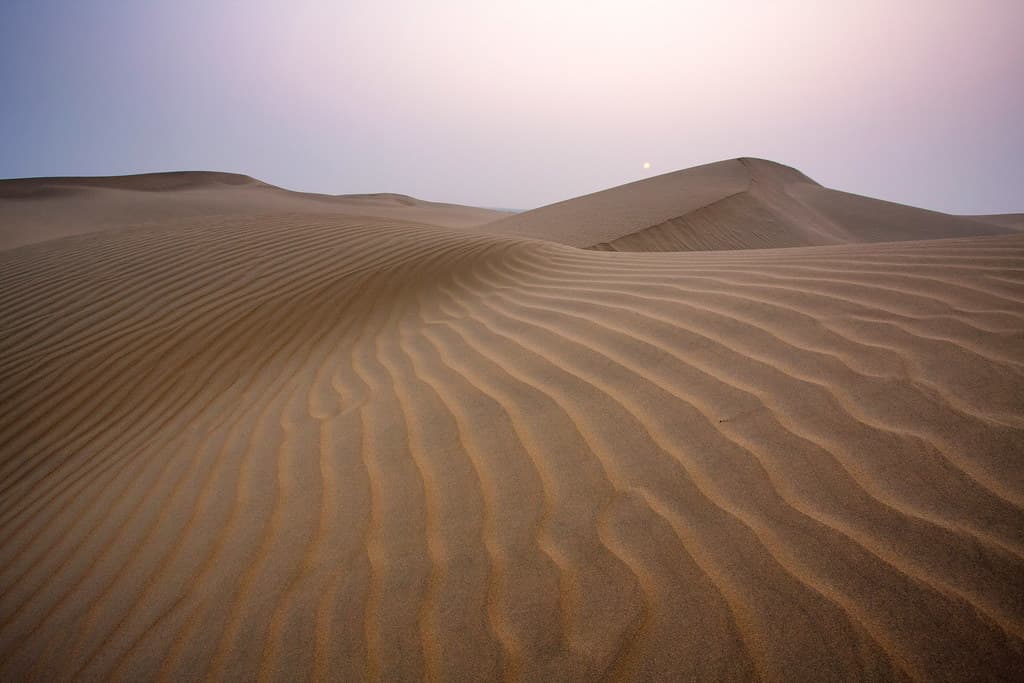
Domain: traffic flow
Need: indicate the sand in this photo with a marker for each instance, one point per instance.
(40, 209)
(736, 204)
(294, 446)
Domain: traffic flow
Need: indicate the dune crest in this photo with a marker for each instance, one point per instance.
(34, 210)
(737, 204)
(298, 446)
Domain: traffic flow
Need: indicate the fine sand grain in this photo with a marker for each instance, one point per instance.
(295, 446)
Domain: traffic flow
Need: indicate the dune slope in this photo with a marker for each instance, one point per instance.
(35, 210)
(310, 447)
(737, 204)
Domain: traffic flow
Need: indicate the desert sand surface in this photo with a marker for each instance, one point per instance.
(310, 446)
(1009, 220)
(736, 204)
(40, 209)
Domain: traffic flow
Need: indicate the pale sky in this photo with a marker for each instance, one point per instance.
(520, 104)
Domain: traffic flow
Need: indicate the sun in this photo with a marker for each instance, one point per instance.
(647, 164)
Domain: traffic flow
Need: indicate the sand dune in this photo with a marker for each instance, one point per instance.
(307, 446)
(1009, 220)
(40, 209)
(736, 204)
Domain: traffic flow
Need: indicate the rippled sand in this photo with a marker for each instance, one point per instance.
(286, 446)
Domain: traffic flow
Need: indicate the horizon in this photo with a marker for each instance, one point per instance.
(912, 104)
(293, 393)
(427, 199)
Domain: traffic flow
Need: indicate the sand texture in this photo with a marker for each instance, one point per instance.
(736, 204)
(39, 209)
(299, 446)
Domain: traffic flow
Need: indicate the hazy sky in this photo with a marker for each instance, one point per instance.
(518, 104)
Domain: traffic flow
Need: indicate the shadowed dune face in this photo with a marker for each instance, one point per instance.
(309, 447)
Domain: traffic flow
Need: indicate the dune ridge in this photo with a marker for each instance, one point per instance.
(307, 446)
(34, 210)
(743, 203)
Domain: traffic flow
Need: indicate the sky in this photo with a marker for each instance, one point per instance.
(519, 104)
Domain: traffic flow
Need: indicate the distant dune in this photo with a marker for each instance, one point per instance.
(1010, 220)
(39, 209)
(736, 204)
(246, 435)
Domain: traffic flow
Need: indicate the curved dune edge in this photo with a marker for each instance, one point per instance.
(308, 447)
(36, 210)
(743, 203)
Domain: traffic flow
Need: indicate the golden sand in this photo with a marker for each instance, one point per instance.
(286, 443)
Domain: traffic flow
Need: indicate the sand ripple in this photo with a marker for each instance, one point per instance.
(323, 447)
